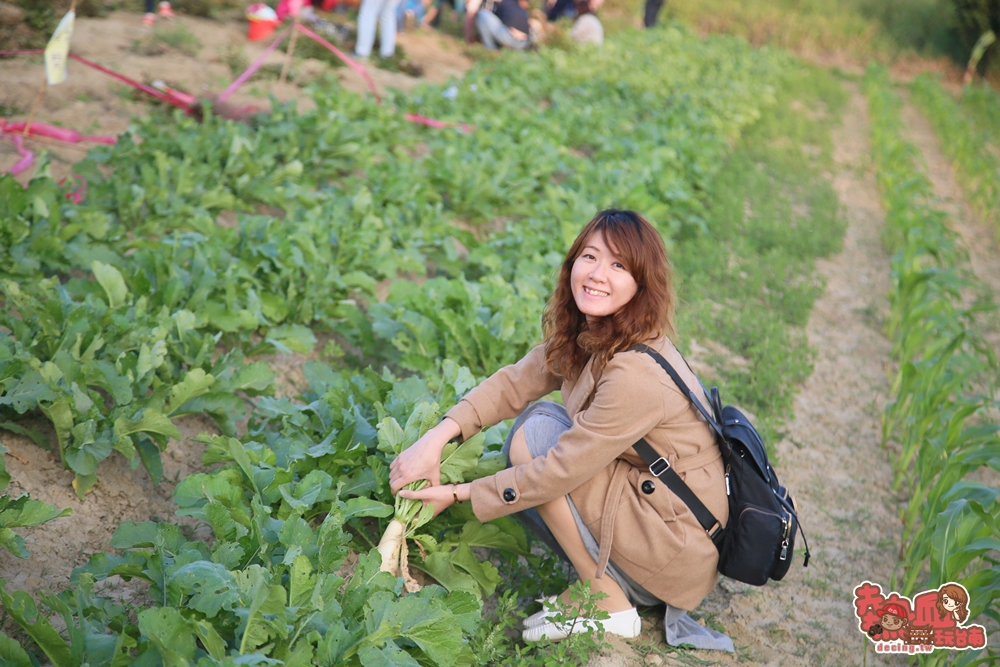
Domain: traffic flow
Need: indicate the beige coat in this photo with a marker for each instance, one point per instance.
(653, 538)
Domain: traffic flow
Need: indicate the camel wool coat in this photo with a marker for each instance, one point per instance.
(654, 538)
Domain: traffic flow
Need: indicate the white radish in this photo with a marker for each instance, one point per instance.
(390, 546)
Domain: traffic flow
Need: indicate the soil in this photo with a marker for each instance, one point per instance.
(831, 456)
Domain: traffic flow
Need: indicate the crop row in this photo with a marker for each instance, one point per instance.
(979, 102)
(329, 203)
(966, 144)
(147, 299)
(941, 411)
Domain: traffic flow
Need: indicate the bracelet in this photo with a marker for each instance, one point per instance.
(454, 492)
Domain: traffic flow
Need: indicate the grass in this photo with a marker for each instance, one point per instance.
(177, 37)
(750, 283)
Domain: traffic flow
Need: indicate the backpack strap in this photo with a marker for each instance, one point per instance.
(660, 467)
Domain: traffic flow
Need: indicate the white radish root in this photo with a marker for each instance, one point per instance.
(411, 584)
(390, 545)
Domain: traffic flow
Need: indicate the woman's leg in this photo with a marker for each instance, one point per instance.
(559, 519)
(387, 29)
(367, 17)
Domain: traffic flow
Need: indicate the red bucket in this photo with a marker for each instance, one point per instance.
(260, 29)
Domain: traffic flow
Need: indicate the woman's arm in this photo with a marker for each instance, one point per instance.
(628, 403)
(505, 394)
(501, 396)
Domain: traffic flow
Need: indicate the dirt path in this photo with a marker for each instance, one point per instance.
(976, 235)
(831, 458)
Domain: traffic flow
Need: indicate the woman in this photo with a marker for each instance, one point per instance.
(620, 527)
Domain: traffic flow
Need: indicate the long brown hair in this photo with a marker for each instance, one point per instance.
(570, 339)
(957, 593)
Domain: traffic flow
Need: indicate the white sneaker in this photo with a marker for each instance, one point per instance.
(542, 616)
(626, 624)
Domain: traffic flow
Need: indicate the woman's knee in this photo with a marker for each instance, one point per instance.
(519, 453)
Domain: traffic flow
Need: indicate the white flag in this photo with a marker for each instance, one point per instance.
(57, 50)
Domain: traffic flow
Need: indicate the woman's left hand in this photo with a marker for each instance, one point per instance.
(440, 497)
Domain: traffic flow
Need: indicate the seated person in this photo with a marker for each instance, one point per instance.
(418, 11)
(500, 23)
(587, 28)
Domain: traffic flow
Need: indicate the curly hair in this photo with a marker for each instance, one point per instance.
(957, 593)
(569, 338)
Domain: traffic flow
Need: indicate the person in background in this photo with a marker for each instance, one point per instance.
(652, 8)
(383, 12)
(557, 9)
(164, 10)
(500, 23)
(420, 12)
(587, 28)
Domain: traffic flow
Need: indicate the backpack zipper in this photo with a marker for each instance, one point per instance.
(787, 524)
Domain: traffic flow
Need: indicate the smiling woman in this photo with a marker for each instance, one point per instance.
(573, 475)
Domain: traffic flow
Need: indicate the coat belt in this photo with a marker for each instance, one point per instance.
(617, 486)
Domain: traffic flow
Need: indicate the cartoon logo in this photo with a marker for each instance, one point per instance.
(932, 620)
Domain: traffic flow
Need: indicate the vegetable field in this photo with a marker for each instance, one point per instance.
(398, 265)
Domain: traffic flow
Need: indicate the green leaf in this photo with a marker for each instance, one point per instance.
(358, 507)
(389, 655)
(211, 587)
(27, 393)
(13, 543)
(195, 383)
(439, 566)
(61, 416)
(22, 609)
(170, 633)
(302, 496)
(35, 513)
(264, 609)
(459, 460)
(302, 582)
(112, 282)
(292, 338)
(11, 653)
(390, 436)
(252, 378)
(148, 420)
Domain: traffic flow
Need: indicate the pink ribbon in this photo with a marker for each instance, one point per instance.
(78, 195)
(27, 157)
(132, 82)
(437, 124)
(340, 54)
(53, 132)
(241, 79)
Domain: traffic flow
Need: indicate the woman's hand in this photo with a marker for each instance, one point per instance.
(422, 459)
(440, 497)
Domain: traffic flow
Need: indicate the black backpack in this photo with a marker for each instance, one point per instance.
(757, 543)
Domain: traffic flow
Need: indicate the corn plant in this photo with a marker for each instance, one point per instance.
(966, 145)
(944, 383)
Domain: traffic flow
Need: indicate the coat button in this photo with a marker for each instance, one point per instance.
(509, 495)
(648, 487)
